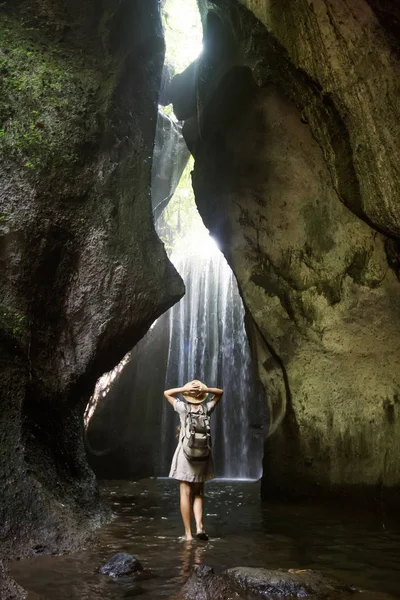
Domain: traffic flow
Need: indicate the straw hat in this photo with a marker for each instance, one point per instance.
(200, 397)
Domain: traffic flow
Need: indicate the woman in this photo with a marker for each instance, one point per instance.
(192, 474)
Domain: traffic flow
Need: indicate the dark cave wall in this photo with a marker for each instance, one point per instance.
(123, 435)
(296, 174)
(83, 273)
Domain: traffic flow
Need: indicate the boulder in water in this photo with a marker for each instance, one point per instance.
(205, 585)
(120, 565)
(287, 584)
(241, 582)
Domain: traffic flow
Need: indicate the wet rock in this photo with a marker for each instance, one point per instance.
(281, 180)
(183, 92)
(368, 595)
(9, 589)
(287, 584)
(83, 273)
(120, 565)
(204, 571)
(205, 585)
(275, 584)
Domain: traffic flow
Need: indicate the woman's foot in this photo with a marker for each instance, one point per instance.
(201, 535)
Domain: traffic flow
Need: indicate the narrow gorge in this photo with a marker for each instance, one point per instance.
(291, 116)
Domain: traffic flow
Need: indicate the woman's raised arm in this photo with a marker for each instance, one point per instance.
(217, 394)
(170, 394)
(194, 389)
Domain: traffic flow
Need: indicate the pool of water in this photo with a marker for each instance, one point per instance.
(356, 548)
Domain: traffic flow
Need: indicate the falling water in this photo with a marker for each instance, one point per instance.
(132, 431)
(208, 342)
(202, 337)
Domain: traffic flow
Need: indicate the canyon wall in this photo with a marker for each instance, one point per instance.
(292, 115)
(83, 273)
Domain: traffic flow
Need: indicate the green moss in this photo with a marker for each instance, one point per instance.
(12, 321)
(48, 96)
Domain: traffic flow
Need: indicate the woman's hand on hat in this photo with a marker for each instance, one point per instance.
(193, 388)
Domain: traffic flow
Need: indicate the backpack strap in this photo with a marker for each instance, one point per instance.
(187, 430)
(207, 421)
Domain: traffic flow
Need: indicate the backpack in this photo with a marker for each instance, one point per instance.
(196, 437)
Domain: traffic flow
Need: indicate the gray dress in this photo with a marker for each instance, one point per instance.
(181, 467)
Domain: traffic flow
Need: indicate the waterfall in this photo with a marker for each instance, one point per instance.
(207, 341)
(207, 338)
(202, 337)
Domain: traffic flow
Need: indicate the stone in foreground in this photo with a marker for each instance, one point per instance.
(287, 584)
(243, 583)
(120, 565)
(205, 585)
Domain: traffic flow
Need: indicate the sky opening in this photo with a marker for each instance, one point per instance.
(183, 33)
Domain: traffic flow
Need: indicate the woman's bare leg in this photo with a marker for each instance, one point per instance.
(185, 489)
(198, 506)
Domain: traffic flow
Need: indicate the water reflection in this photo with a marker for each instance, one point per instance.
(350, 546)
(191, 557)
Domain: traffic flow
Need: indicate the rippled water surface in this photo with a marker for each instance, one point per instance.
(244, 532)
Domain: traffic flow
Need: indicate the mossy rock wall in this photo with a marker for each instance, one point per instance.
(83, 273)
